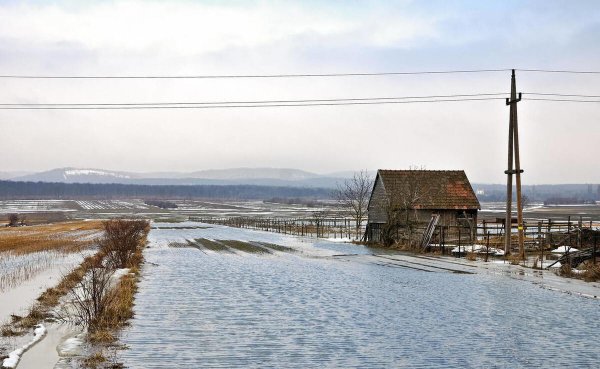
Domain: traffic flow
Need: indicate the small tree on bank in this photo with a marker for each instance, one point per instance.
(13, 220)
(122, 237)
(93, 298)
(353, 195)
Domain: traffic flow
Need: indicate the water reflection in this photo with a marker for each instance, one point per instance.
(214, 310)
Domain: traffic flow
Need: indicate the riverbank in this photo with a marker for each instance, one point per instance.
(78, 318)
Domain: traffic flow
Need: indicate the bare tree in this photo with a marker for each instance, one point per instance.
(353, 195)
(525, 201)
(13, 220)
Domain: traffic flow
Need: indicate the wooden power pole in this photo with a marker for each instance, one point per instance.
(513, 149)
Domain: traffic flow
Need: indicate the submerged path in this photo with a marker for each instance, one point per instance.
(250, 308)
(545, 278)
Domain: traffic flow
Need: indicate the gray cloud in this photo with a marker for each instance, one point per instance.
(196, 38)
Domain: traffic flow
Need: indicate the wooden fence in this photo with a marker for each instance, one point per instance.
(538, 234)
(336, 228)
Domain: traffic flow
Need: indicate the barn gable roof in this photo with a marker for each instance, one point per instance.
(436, 189)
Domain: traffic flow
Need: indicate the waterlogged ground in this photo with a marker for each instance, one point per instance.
(198, 308)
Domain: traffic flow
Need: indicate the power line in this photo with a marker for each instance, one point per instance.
(563, 100)
(335, 103)
(232, 76)
(559, 71)
(562, 95)
(559, 97)
(251, 102)
(16, 76)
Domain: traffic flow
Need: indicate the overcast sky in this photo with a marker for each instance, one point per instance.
(560, 142)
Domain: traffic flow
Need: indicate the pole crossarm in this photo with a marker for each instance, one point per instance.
(514, 101)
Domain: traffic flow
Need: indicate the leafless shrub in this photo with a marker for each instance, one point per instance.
(122, 237)
(99, 304)
(91, 297)
(13, 220)
(353, 195)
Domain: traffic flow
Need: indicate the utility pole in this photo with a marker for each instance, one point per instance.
(513, 148)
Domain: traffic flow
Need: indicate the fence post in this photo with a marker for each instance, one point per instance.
(594, 250)
(487, 247)
(459, 241)
(443, 229)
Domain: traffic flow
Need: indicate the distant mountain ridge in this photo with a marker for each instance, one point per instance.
(233, 176)
(10, 175)
(77, 175)
(279, 177)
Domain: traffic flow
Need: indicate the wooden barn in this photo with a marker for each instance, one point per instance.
(404, 204)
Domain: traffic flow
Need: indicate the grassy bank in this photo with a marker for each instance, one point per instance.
(101, 312)
(122, 248)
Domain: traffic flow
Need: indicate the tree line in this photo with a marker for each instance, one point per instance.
(45, 190)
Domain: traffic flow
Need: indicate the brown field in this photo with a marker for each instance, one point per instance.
(65, 236)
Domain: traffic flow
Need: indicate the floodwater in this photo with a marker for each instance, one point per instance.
(202, 309)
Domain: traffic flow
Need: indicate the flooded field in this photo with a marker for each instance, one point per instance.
(303, 305)
(100, 209)
(538, 211)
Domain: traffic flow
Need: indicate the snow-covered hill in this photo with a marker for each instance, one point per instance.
(234, 176)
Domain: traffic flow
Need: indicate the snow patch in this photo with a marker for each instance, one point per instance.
(87, 172)
(15, 356)
(478, 249)
(118, 274)
(346, 240)
(564, 249)
(71, 346)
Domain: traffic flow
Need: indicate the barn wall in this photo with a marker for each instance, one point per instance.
(448, 218)
(378, 204)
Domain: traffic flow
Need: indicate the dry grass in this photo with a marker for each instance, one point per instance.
(592, 273)
(118, 312)
(277, 247)
(64, 237)
(212, 245)
(244, 246)
(566, 271)
(94, 360)
(8, 332)
(514, 259)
